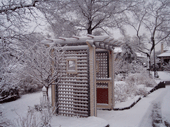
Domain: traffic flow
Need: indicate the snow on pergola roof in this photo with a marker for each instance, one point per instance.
(104, 42)
(165, 54)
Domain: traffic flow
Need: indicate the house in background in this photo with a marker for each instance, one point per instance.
(142, 58)
(164, 56)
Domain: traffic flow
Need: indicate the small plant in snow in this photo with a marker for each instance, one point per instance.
(38, 116)
(4, 122)
(32, 119)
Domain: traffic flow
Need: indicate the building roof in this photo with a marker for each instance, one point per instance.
(164, 54)
(167, 48)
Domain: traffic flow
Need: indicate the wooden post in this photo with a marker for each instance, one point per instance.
(92, 70)
(53, 97)
(111, 73)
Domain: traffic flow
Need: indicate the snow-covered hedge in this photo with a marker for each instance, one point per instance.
(123, 91)
(28, 85)
(140, 78)
(134, 85)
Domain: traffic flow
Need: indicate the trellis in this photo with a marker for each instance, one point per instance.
(87, 80)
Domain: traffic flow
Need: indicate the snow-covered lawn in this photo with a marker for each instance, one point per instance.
(139, 115)
(15, 109)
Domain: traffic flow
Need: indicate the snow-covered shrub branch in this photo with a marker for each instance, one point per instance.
(42, 63)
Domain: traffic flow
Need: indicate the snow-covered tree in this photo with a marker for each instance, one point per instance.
(126, 61)
(88, 15)
(42, 63)
(9, 66)
(151, 21)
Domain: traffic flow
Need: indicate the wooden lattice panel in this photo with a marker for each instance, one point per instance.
(72, 91)
(102, 84)
(102, 64)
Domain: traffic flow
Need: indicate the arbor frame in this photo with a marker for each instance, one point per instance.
(75, 94)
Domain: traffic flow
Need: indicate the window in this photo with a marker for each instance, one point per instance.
(72, 65)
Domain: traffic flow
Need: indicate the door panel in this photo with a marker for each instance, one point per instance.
(102, 95)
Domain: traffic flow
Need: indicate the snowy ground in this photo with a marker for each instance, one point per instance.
(138, 116)
(163, 76)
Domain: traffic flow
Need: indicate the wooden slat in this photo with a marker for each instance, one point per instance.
(82, 105)
(75, 88)
(81, 95)
(83, 102)
(78, 98)
(67, 114)
(73, 84)
(74, 91)
(75, 111)
(76, 78)
(75, 107)
(72, 81)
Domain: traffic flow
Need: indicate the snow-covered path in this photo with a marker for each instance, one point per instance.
(165, 106)
(161, 106)
(140, 114)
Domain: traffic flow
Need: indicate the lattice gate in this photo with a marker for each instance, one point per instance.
(72, 92)
(102, 76)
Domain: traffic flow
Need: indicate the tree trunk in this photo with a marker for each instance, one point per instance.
(89, 30)
(47, 87)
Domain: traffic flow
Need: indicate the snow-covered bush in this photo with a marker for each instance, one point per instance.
(140, 78)
(123, 91)
(28, 85)
(132, 86)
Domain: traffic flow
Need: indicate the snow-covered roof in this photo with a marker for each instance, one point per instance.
(103, 42)
(142, 55)
(164, 54)
(167, 48)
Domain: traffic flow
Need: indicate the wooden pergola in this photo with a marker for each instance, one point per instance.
(87, 80)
